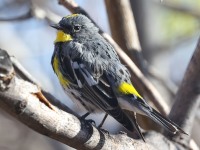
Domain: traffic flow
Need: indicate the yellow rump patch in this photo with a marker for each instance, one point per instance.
(63, 81)
(62, 37)
(73, 15)
(127, 88)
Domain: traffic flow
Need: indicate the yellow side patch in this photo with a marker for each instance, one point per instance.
(63, 81)
(62, 37)
(73, 15)
(127, 88)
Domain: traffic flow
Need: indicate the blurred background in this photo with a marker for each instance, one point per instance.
(168, 32)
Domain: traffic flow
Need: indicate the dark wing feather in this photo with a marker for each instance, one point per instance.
(99, 93)
(102, 93)
(166, 123)
(96, 90)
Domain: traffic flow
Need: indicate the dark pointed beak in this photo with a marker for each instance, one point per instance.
(56, 26)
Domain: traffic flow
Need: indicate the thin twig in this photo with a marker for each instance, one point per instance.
(18, 100)
(19, 18)
(139, 80)
(124, 30)
(25, 75)
(66, 128)
(22, 72)
(169, 86)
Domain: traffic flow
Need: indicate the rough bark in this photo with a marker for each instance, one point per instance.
(18, 98)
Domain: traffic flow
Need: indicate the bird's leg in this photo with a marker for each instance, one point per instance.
(102, 122)
(89, 120)
(85, 115)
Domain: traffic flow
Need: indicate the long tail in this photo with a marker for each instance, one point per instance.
(165, 122)
(142, 107)
(139, 105)
(156, 116)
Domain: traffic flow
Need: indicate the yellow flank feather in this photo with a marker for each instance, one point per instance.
(63, 81)
(127, 88)
(73, 15)
(62, 37)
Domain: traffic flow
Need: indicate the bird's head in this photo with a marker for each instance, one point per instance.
(75, 26)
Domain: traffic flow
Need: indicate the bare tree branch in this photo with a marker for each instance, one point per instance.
(18, 99)
(19, 18)
(187, 98)
(25, 75)
(169, 85)
(22, 72)
(143, 85)
(124, 30)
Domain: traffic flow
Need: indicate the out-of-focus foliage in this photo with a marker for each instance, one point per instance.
(178, 25)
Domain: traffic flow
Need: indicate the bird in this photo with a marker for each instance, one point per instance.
(92, 75)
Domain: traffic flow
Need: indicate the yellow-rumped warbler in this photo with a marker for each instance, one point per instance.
(91, 73)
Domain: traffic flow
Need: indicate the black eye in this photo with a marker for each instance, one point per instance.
(77, 28)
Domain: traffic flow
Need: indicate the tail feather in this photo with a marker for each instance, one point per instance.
(146, 109)
(165, 122)
(121, 114)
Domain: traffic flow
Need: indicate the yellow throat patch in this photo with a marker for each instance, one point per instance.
(62, 37)
(127, 88)
(63, 81)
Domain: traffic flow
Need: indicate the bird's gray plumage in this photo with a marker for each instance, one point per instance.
(94, 73)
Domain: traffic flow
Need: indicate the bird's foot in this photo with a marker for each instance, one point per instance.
(90, 121)
(104, 130)
(122, 132)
